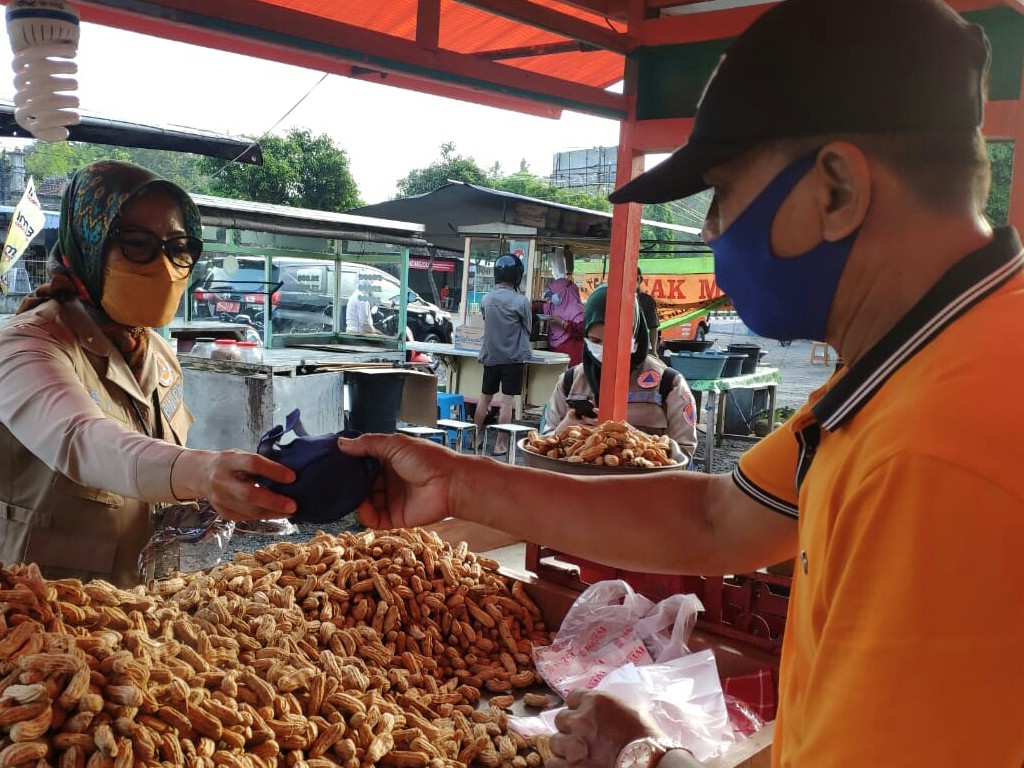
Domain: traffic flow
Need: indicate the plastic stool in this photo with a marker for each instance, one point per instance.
(457, 433)
(437, 435)
(819, 352)
(447, 402)
(513, 431)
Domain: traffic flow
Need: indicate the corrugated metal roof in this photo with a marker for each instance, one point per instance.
(457, 204)
(539, 57)
(468, 30)
(223, 211)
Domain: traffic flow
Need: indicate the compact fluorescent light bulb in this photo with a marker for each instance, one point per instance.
(44, 38)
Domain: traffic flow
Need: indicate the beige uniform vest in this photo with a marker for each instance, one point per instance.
(644, 409)
(68, 529)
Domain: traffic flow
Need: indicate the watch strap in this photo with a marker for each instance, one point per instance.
(667, 745)
(659, 746)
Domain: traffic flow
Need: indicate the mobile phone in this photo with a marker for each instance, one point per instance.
(583, 407)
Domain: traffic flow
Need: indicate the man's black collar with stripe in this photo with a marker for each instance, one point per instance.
(964, 285)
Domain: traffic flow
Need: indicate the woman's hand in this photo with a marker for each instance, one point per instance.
(556, 321)
(413, 486)
(572, 420)
(594, 728)
(229, 480)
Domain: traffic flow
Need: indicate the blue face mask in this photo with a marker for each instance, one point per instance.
(778, 298)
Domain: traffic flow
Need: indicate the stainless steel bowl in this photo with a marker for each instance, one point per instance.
(537, 461)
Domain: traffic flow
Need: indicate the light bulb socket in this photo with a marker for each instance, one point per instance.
(37, 22)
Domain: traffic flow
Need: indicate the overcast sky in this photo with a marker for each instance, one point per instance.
(386, 131)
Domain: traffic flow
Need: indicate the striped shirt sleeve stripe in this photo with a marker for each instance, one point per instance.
(762, 496)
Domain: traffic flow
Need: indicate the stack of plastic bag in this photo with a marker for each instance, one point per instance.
(618, 641)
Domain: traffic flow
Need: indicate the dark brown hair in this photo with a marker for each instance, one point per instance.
(946, 170)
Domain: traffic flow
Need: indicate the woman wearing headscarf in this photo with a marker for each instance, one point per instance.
(660, 402)
(564, 308)
(92, 422)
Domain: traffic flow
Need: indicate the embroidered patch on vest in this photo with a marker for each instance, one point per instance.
(164, 372)
(644, 397)
(172, 400)
(649, 379)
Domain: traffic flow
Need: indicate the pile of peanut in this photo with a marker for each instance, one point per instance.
(611, 444)
(357, 650)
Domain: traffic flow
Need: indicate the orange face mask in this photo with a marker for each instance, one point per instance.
(146, 300)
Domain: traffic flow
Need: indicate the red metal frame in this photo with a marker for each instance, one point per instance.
(279, 33)
(749, 608)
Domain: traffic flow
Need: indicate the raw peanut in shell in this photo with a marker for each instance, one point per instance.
(540, 700)
(174, 672)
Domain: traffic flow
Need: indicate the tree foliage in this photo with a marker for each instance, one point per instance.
(1000, 154)
(525, 183)
(61, 160)
(657, 242)
(450, 167)
(300, 170)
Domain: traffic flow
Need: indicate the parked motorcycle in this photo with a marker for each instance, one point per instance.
(385, 320)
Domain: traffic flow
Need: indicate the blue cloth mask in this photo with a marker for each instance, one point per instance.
(328, 483)
(778, 298)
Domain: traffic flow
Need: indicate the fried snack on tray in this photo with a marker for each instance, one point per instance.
(376, 649)
(611, 444)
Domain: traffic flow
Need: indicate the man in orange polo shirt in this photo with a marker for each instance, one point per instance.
(842, 141)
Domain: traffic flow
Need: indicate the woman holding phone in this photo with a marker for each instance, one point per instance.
(660, 402)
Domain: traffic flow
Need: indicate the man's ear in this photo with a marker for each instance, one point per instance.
(845, 189)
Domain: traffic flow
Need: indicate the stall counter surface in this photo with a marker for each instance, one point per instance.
(465, 373)
(537, 357)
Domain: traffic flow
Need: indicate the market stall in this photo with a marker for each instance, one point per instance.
(465, 373)
(290, 276)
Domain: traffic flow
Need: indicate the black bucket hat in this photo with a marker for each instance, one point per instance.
(811, 67)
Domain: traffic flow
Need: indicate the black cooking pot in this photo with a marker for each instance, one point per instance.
(687, 345)
(733, 364)
(753, 353)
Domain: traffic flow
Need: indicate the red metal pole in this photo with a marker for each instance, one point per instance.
(625, 249)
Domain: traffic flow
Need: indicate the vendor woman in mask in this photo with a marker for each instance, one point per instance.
(92, 423)
(660, 402)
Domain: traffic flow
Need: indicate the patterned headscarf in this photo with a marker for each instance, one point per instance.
(593, 312)
(91, 204)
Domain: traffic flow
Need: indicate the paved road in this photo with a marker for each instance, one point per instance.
(799, 376)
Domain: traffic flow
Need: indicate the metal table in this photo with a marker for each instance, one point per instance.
(235, 402)
(763, 378)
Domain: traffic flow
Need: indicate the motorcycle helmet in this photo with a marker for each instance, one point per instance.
(509, 269)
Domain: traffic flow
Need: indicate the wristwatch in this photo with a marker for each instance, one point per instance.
(645, 752)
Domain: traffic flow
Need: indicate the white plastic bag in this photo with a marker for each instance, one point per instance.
(684, 696)
(617, 641)
(610, 625)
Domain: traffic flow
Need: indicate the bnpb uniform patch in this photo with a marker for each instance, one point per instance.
(649, 379)
(690, 412)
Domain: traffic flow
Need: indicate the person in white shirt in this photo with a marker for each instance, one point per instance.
(358, 313)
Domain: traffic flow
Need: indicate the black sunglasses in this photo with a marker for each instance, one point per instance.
(141, 246)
